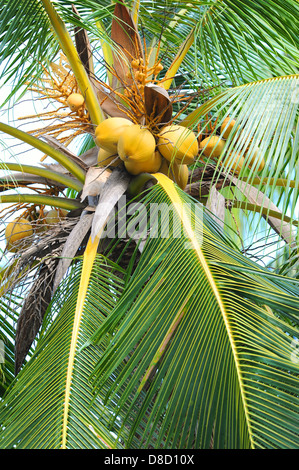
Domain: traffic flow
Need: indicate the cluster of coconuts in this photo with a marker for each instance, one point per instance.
(170, 152)
(213, 146)
(19, 231)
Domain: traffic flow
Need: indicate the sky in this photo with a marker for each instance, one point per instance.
(12, 150)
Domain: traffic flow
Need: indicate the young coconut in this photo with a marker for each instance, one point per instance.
(75, 101)
(54, 216)
(106, 158)
(108, 132)
(255, 161)
(181, 174)
(164, 168)
(212, 146)
(136, 144)
(17, 230)
(151, 165)
(227, 127)
(177, 172)
(178, 142)
(234, 163)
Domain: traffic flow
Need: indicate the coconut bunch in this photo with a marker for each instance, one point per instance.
(140, 150)
(213, 146)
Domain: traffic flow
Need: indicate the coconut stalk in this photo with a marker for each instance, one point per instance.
(59, 157)
(271, 182)
(66, 181)
(39, 199)
(265, 211)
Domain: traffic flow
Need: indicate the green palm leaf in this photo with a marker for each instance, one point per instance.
(8, 305)
(36, 36)
(40, 387)
(191, 344)
(234, 31)
(266, 114)
(197, 326)
(227, 39)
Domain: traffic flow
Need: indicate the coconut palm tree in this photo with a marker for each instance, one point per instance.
(158, 306)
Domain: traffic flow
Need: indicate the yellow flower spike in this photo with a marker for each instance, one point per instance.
(177, 142)
(78, 69)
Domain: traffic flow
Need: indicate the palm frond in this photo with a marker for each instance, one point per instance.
(192, 332)
(40, 387)
(60, 157)
(235, 31)
(266, 120)
(174, 338)
(9, 305)
(25, 35)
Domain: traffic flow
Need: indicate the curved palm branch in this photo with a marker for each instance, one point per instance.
(203, 314)
(266, 120)
(196, 330)
(49, 367)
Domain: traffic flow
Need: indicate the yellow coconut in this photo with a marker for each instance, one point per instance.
(255, 161)
(136, 144)
(176, 171)
(41, 225)
(54, 216)
(151, 165)
(107, 158)
(16, 231)
(212, 146)
(178, 142)
(234, 163)
(75, 101)
(181, 174)
(227, 127)
(164, 168)
(108, 132)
